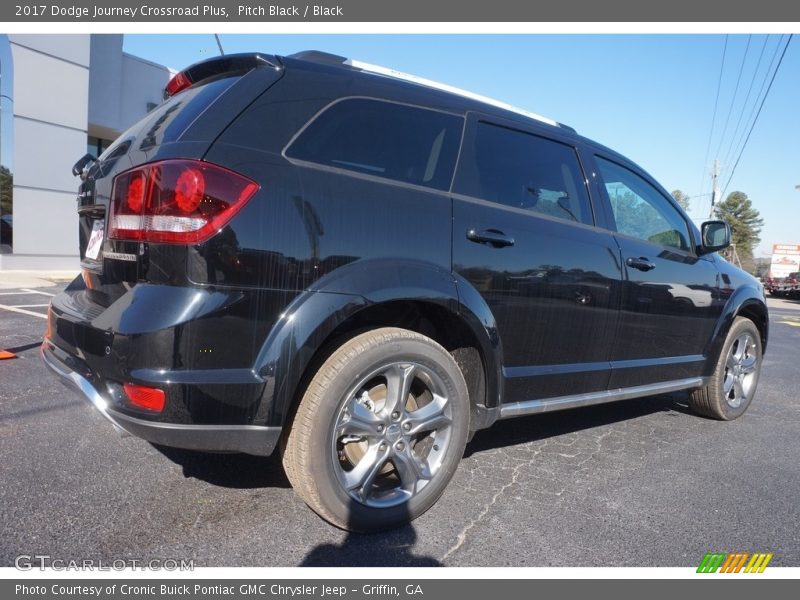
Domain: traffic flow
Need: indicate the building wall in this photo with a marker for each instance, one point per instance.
(121, 87)
(142, 88)
(105, 82)
(66, 88)
(51, 100)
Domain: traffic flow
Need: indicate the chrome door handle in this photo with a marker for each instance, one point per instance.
(641, 263)
(493, 237)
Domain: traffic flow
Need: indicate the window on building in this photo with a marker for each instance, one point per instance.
(96, 146)
(6, 147)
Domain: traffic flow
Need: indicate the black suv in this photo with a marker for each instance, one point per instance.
(363, 268)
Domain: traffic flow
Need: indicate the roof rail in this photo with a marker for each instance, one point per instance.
(333, 59)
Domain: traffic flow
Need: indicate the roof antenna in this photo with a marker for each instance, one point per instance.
(219, 45)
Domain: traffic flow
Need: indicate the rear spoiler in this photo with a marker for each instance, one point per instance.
(228, 63)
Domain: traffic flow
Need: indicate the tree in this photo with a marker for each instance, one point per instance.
(681, 198)
(6, 190)
(746, 223)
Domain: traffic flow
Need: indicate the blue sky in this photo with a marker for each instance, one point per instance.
(650, 97)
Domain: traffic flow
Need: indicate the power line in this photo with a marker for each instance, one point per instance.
(714, 117)
(763, 100)
(775, 53)
(735, 93)
(734, 136)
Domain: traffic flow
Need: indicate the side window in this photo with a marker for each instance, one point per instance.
(640, 210)
(385, 139)
(526, 171)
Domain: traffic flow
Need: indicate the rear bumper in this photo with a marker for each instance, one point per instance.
(249, 439)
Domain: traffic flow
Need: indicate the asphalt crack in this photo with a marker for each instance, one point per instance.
(461, 538)
(555, 448)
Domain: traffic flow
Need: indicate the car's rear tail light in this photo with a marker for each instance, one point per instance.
(145, 397)
(176, 201)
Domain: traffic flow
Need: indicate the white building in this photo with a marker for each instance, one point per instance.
(60, 97)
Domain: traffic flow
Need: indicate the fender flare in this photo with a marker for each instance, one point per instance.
(746, 297)
(314, 314)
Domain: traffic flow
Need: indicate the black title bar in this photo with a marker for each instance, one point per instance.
(387, 589)
(342, 11)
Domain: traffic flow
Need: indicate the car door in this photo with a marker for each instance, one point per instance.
(524, 236)
(671, 298)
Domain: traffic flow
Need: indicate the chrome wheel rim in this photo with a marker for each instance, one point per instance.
(391, 434)
(741, 370)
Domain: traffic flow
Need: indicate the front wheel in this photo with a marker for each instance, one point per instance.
(733, 384)
(379, 431)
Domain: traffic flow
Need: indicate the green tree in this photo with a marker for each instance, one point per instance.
(681, 198)
(746, 223)
(6, 190)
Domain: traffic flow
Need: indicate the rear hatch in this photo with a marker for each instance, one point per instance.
(205, 99)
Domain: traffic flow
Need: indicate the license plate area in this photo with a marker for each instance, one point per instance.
(94, 247)
(91, 236)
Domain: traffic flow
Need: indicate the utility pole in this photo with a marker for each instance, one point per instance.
(714, 187)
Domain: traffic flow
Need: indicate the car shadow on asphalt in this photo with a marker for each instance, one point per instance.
(238, 471)
(395, 547)
(383, 549)
(524, 430)
(242, 471)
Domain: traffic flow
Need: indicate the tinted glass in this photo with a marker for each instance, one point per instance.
(526, 171)
(166, 122)
(640, 210)
(400, 142)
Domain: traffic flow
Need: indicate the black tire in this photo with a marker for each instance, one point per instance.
(734, 382)
(323, 456)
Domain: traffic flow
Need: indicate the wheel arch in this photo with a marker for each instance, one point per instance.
(746, 302)
(377, 293)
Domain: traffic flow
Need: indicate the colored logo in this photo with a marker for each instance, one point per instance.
(736, 562)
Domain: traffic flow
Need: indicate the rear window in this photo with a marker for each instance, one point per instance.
(384, 139)
(167, 121)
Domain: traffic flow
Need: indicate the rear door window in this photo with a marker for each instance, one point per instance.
(525, 171)
(383, 139)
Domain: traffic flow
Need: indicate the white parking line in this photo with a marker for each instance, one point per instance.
(25, 292)
(22, 311)
(30, 305)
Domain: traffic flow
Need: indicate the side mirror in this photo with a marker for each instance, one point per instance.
(715, 236)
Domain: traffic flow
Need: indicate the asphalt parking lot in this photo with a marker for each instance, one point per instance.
(638, 483)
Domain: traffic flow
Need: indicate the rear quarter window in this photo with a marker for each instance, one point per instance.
(383, 139)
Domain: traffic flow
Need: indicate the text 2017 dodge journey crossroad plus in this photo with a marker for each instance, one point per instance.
(361, 268)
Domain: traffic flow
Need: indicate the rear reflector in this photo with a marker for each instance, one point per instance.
(144, 397)
(176, 201)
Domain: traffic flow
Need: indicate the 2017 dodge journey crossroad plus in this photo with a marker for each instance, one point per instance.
(360, 268)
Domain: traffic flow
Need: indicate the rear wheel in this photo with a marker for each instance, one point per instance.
(380, 430)
(733, 384)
